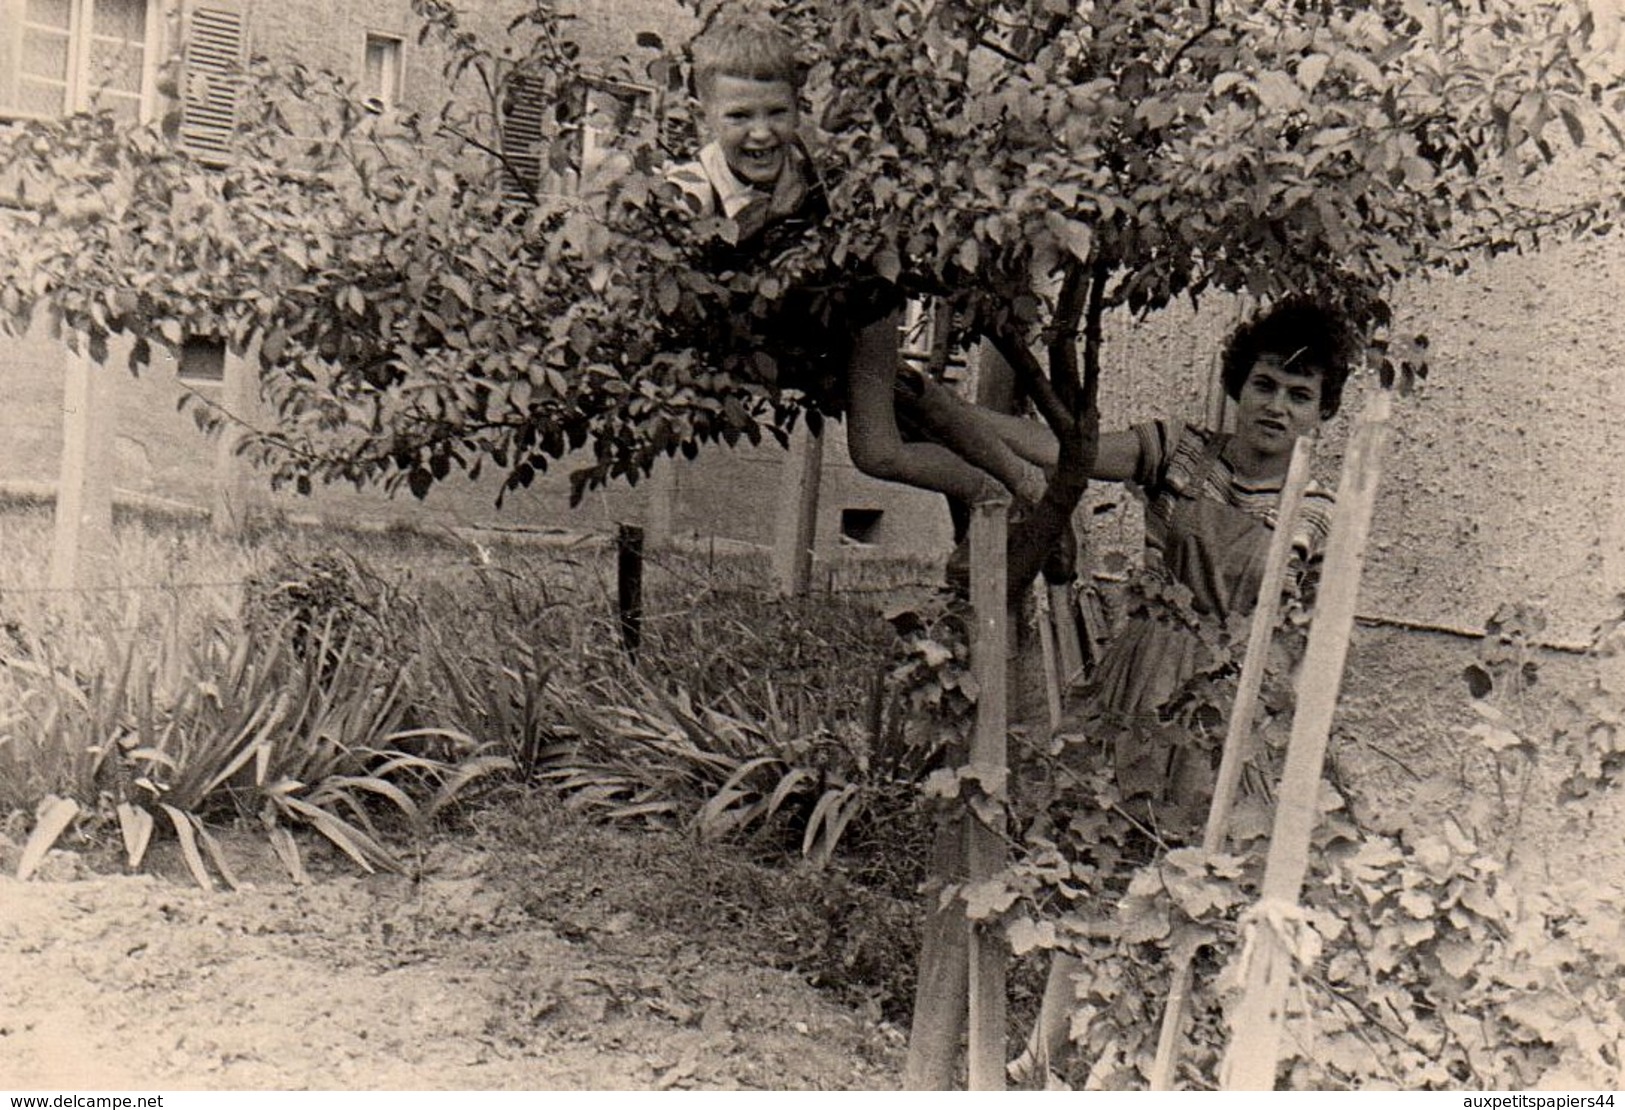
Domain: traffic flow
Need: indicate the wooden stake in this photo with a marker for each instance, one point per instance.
(1259, 1020)
(796, 529)
(985, 855)
(239, 393)
(629, 586)
(658, 506)
(961, 970)
(1063, 609)
(941, 992)
(1238, 737)
(1048, 627)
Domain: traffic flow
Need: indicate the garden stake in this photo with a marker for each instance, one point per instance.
(81, 550)
(1063, 607)
(943, 969)
(1048, 619)
(629, 586)
(796, 529)
(984, 843)
(1238, 736)
(1266, 961)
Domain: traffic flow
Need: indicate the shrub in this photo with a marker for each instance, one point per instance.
(1420, 962)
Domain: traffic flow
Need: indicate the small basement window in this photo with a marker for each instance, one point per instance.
(203, 360)
(861, 525)
(381, 73)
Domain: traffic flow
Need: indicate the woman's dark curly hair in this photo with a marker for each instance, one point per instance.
(1304, 333)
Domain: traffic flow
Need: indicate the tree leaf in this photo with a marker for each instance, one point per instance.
(218, 856)
(988, 898)
(1078, 238)
(1025, 935)
(287, 851)
(888, 264)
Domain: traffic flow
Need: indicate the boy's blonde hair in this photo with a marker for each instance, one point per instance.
(747, 45)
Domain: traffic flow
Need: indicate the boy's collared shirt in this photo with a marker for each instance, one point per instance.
(713, 184)
(732, 193)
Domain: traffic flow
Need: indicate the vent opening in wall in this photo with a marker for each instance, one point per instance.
(861, 525)
(203, 360)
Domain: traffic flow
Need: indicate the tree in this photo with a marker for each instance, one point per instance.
(1037, 164)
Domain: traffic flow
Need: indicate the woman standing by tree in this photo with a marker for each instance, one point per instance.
(1211, 501)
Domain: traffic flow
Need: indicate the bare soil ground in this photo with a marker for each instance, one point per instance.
(477, 973)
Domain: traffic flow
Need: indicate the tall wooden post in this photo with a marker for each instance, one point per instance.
(961, 980)
(1218, 411)
(1259, 1019)
(796, 529)
(82, 547)
(984, 844)
(239, 393)
(629, 586)
(941, 986)
(659, 504)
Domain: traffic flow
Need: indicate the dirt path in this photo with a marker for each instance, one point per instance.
(377, 982)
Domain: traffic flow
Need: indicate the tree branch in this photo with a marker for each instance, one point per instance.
(1063, 340)
(1209, 26)
(1091, 336)
(1033, 380)
(1004, 52)
(531, 193)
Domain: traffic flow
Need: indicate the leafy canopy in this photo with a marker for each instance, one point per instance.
(421, 305)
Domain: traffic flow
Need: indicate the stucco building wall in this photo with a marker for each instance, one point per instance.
(1505, 476)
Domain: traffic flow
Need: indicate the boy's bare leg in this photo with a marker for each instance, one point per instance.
(965, 429)
(1030, 439)
(877, 446)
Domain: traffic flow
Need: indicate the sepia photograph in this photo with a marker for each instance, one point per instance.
(812, 546)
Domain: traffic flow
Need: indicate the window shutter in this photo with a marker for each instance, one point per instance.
(214, 43)
(522, 131)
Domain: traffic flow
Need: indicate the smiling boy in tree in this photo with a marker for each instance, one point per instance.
(756, 171)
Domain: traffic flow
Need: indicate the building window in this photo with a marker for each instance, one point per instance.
(927, 340)
(202, 360)
(381, 73)
(63, 56)
(610, 111)
(215, 38)
(861, 525)
(592, 120)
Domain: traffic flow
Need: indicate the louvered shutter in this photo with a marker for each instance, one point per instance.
(522, 132)
(214, 46)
